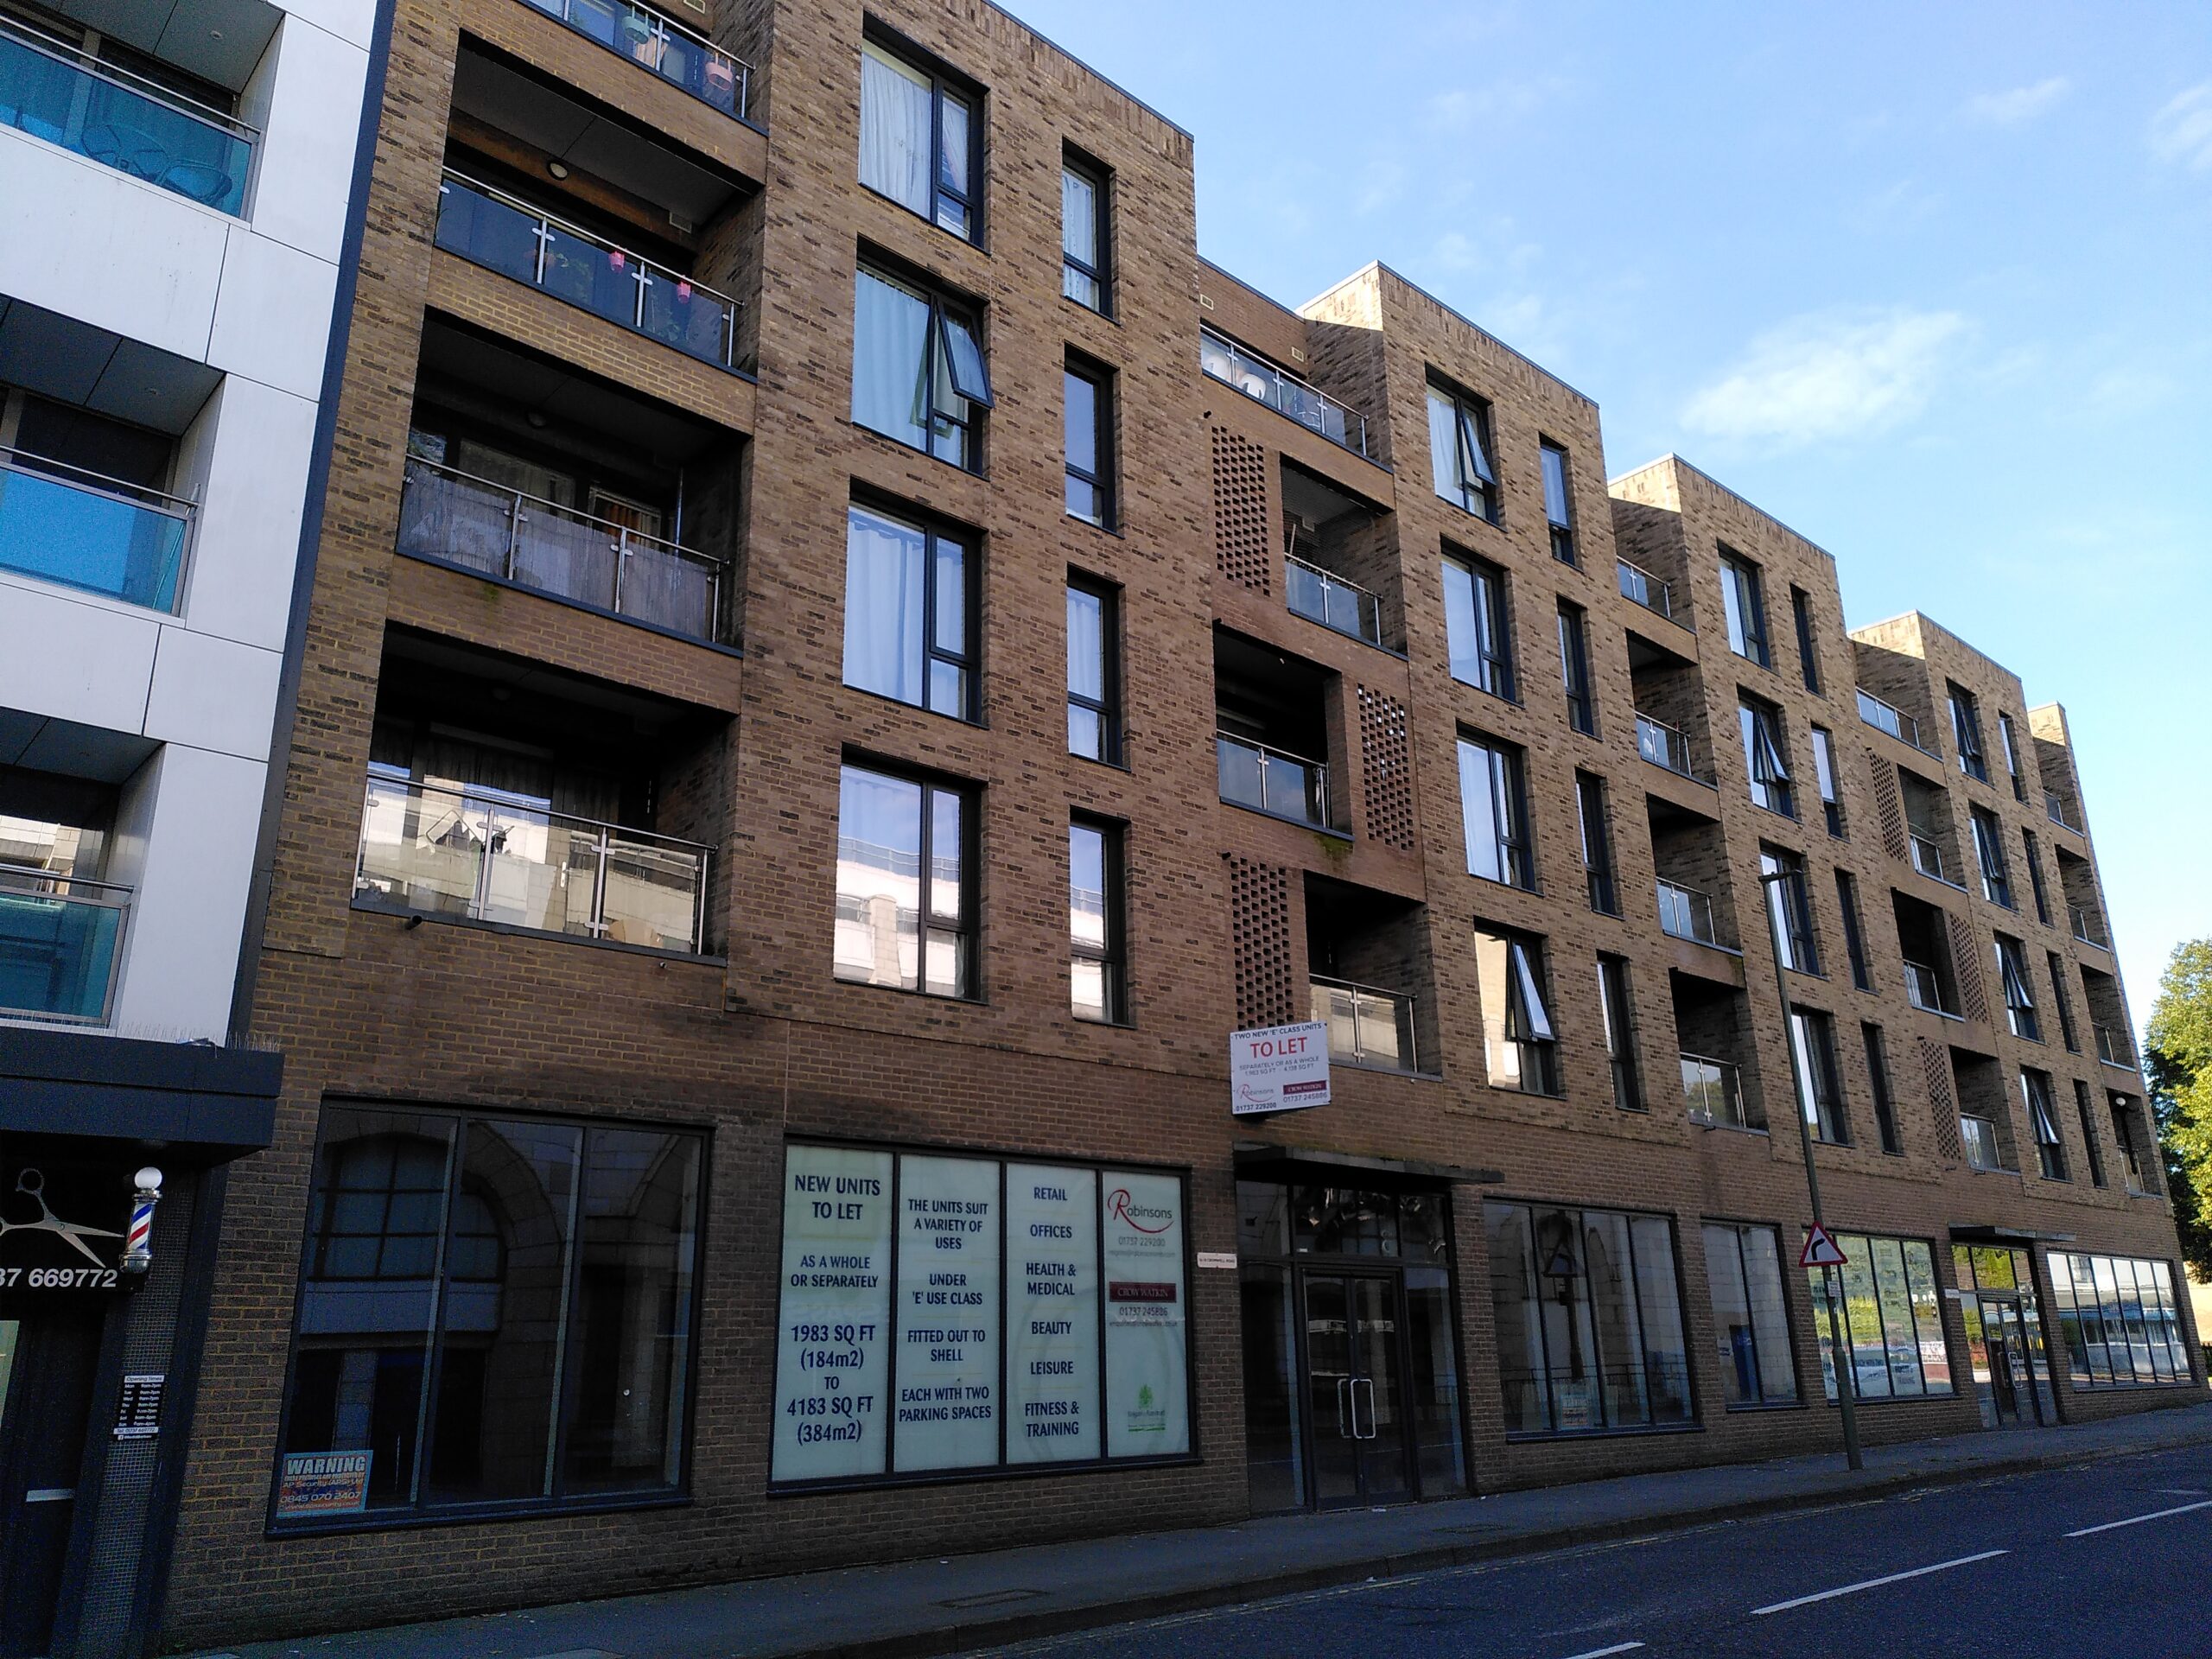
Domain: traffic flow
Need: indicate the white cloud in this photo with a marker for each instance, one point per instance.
(2182, 131)
(2022, 103)
(1831, 374)
(1455, 250)
(1462, 107)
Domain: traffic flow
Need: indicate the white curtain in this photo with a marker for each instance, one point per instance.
(894, 130)
(891, 329)
(883, 606)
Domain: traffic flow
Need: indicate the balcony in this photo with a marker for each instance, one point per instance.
(82, 529)
(60, 945)
(2089, 926)
(1983, 1149)
(1713, 1090)
(1923, 988)
(1887, 717)
(1654, 592)
(501, 233)
(2054, 808)
(1686, 914)
(49, 90)
(1318, 597)
(1267, 780)
(1367, 1026)
(1665, 745)
(1262, 381)
(686, 59)
(1928, 858)
(2113, 1047)
(485, 855)
(452, 517)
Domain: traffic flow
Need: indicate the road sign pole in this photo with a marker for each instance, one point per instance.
(1846, 1385)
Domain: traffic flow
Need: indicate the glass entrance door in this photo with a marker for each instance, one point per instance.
(47, 1363)
(2016, 1363)
(1354, 1389)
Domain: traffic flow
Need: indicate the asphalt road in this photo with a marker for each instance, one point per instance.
(1985, 1571)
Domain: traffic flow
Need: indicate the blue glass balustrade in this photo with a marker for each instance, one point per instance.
(678, 55)
(62, 524)
(60, 942)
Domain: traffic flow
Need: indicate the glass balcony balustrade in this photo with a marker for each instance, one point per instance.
(1639, 585)
(1978, 1135)
(62, 524)
(60, 945)
(1928, 858)
(1713, 1092)
(2113, 1047)
(1665, 745)
(1686, 914)
(1923, 988)
(501, 233)
(1259, 379)
(1268, 780)
(1320, 596)
(681, 56)
(486, 855)
(1887, 717)
(51, 90)
(1367, 1026)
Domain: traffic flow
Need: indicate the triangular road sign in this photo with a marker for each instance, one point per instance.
(1821, 1250)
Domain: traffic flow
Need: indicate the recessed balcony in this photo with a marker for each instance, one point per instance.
(1888, 717)
(1923, 988)
(1269, 780)
(2113, 1047)
(1686, 914)
(1666, 747)
(1928, 858)
(1984, 1147)
(1640, 586)
(67, 525)
(2054, 808)
(1368, 1026)
(1712, 1093)
(1262, 382)
(682, 57)
(2089, 926)
(60, 945)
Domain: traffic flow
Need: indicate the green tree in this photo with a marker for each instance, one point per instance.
(2177, 1069)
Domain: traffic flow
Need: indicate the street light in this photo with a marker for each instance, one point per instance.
(1846, 1385)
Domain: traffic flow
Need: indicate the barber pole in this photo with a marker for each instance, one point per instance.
(138, 1242)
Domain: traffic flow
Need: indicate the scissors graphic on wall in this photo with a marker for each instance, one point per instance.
(31, 1183)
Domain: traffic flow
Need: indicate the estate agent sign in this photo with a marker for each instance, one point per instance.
(1278, 1069)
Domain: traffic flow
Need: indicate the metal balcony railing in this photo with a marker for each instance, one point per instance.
(83, 529)
(457, 518)
(1713, 1090)
(2054, 808)
(2113, 1047)
(1888, 717)
(489, 856)
(1260, 380)
(1686, 914)
(52, 89)
(489, 227)
(1978, 1137)
(1269, 780)
(1928, 858)
(681, 56)
(1368, 1026)
(1655, 594)
(1665, 745)
(1923, 988)
(1320, 596)
(2089, 926)
(60, 945)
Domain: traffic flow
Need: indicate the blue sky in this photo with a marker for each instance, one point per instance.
(1932, 285)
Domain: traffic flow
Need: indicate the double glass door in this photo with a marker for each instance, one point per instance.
(46, 1364)
(1355, 1387)
(2013, 1363)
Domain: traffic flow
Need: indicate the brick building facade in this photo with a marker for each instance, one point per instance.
(604, 989)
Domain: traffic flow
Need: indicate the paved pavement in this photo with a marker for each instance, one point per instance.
(942, 1607)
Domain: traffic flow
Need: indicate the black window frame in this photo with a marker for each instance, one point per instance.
(1776, 783)
(1552, 457)
(1516, 837)
(1820, 1086)
(1877, 1085)
(1799, 941)
(1103, 383)
(2090, 1144)
(1988, 835)
(948, 311)
(1809, 661)
(2059, 1001)
(1741, 579)
(1527, 1027)
(2043, 1123)
(1474, 443)
(1739, 1231)
(1854, 941)
(2013, 987)
(1112, 955)
(1492, 605)
(1827, 781)
(1574, 667)
(1617, 1012)
(968, 662)
(2032, 855)
(967, 933)
(942, 79)
(1593, 829)
(1108, 708)
(2008, 736)
(1100, 178)
(1966, 731)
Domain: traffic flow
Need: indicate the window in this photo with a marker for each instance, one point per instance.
(1559, 512)
(2043, 1119)
(1095, 920)
(1494, 812)
(1824, 775)
(2020, 1001)
(1891, 1318)
(1750, 1325)
(2057, 969)
(918, 369)
(1854, 944)
(1819, 1086)
(1094, 676)
(1084, 240)
(1459, 452)
(1589, 1319)
(1877, 1081)
(1476, 633)
(920, 143)
(906, 884)
(1596, 841)
(1966, 732)
(1619, 1010)
(908, 613)
(1790, 906)
(2119, 1321)
(2011, 743)
(1746, 608)
(1088, 422)
(1989, 854)
(2089, 1143)
(1763, 755)
(2034, 858)
(1575, 669)
(1808, 656)
(2126, 1136)
(1518, 1039)
(495, 1311)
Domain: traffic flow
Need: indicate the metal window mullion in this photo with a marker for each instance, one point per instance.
(572, 1279)
(434, 1337)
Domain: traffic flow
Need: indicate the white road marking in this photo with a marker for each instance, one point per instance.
(1600, 1653)
(1869, 1584)
(2135, 1520)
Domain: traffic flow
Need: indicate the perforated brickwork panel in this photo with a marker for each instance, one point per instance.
(1386, 769)
(1888, 803)
(1935, 1067)
(1242, 546)
(1966, 965)
(1259, 923)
